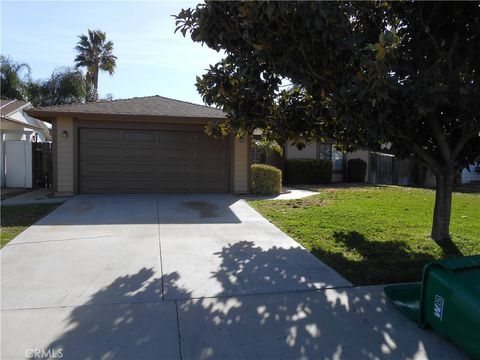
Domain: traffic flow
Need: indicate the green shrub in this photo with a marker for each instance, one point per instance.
(356, 170)
(266, 180)
(308, 171)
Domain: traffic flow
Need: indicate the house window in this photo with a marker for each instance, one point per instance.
(337, 160)
(328, 152)
(325, 151)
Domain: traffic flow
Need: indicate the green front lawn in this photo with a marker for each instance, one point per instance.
(374, 235)
(15, 219)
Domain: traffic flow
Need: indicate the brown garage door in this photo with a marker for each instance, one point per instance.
(151, 161)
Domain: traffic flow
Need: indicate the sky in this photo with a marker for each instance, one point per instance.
(152, 60)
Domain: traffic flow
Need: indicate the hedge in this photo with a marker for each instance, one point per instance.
(308, 171)
(266, 180)
(356, 170)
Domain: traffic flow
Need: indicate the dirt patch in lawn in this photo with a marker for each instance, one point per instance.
(305, 203)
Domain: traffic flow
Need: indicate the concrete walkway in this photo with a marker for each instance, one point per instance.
(34, 197)
(288, 194)
(187, 277)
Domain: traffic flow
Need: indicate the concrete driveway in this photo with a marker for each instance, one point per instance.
(186, 277)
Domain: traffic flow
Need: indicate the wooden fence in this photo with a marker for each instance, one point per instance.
(389, 170)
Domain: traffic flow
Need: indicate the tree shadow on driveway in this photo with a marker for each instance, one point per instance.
(343, 323)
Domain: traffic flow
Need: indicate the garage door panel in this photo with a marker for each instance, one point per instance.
(210, 164)
(93, 152)
(208, 177)
(100, 169)
(172, 164)
(135, 161)
(180, 153)
(99, 136)
(174, 137)
(174, 176)
(139, 186)
(138, 173)
(133, 156)
(169, 187)
(138, 137)
(139, 160)
(206, 157)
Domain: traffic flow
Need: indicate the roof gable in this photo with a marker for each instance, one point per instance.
(7, 106)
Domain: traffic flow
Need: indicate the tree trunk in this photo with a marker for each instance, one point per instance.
(441, 215)
(90, 90)
(95, 85)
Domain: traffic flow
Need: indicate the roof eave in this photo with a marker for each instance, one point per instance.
(27, 125)
(48, 116)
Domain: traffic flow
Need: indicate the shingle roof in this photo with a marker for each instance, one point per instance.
(7, 106)
(138, 106)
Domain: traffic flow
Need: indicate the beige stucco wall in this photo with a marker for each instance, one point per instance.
(64, 156)
(241, 165)
(10, 125)
(308, 152)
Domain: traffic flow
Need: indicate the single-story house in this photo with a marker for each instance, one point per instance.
(143, 145)
(18, 131)
(381, 168)
(325, 150)
(18, 125)
(471, 174)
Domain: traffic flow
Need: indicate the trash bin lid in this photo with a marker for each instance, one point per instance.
(406, 297)
(457, 263)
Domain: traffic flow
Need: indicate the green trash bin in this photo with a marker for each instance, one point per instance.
(447, 300)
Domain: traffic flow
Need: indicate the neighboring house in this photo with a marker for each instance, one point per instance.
(326, 151)
(18, 130)
(18, 125)
(143, 145)
(472, 174)
(381, 168)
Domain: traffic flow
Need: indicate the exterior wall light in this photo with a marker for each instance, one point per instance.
(241, 139)
(64, 134)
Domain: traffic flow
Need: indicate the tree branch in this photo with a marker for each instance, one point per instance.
(440, 139)
(428, 31)
(450, 55)
(310, 67)
(426, 157)
(466, 136)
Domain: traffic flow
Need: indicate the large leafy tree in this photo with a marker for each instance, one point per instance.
(13, 76)
(400, 75)
(65, 86)
(95, 54)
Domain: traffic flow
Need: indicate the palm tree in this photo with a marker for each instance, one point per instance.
(13, 77)
(95, 54)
